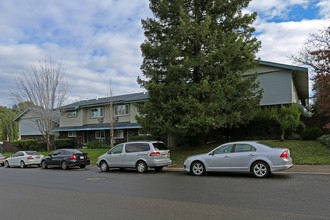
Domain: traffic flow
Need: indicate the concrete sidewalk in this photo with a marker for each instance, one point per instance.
(317, 169)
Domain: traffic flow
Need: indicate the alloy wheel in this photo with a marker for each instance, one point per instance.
(198, 168)
(260, 169)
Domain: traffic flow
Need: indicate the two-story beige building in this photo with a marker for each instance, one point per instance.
(89, 120)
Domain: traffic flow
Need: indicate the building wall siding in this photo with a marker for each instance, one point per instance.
(28, 126)
(277, 87)
(84, 116)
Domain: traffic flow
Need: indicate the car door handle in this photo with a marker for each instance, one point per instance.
(252, 154)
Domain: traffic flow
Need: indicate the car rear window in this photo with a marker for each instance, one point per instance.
(160, 146)
(32, 153)
(73, 151)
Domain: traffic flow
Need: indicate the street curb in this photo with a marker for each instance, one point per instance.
(298, 169)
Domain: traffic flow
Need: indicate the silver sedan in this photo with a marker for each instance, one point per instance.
(253, 157)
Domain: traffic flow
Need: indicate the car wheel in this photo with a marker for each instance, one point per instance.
(104, 166)
(22, 164)
(7, 164)
(64, 165)
(44, 165)
(141, 167)
(260, 169)
(197, 168)
(159, 168)
(82, 166)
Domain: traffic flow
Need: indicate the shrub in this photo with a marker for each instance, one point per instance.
(97, 145)
(325, 139)
(64, 143)
(311, 133)
(42, 146)
(29, 144)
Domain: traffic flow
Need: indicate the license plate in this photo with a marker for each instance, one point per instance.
(81, 157)
(37, 157)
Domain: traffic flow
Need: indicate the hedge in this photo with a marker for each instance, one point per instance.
(64, 143)
(30, 144)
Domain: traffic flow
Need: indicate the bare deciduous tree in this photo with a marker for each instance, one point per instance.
(316, 54)
(47, 89)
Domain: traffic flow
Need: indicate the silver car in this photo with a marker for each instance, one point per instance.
(253, 157)
(23, 159)
(139, 155)
(2, 160)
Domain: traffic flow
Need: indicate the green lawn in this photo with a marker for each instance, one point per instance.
(302, 152)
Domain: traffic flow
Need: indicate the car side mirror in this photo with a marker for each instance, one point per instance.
(212, 153)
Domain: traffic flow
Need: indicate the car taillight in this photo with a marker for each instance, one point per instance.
(5, 157)
(72, 157)
(87, 156)
(29, 158)
(154, 154)
(169, 152)
(284, 154)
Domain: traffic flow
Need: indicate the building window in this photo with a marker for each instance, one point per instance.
(97, 112)
(72, 114)
(121, 110)
(118, 134)
(142, 132)
(72, 134)
(99, 135)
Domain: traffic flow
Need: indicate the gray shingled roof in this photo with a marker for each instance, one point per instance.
(128, 98)
(56, 114)
(100, 126)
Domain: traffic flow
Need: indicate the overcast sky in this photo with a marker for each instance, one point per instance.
(100, 39)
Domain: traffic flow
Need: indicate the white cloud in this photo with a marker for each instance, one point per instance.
(280, 40)
(95, 40)
(324, 7)
(276, 8)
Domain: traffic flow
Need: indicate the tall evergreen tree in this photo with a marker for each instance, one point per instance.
(194, 55)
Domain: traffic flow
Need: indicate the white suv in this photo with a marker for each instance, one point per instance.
(139, 155)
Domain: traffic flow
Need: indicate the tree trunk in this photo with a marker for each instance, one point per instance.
(282, 135)
(48, 143)
(201, 140)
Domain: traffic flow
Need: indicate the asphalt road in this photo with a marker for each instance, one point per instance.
(34, 193)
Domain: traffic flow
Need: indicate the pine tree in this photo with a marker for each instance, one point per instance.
(194, 55)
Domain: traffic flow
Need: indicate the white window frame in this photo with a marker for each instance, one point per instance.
(72, 114)
(119, 112)
(118, 134)
(100, 134)
(72, 134)
(100, 110)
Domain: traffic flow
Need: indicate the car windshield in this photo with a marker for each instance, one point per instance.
(32, 153)
(160, 146)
